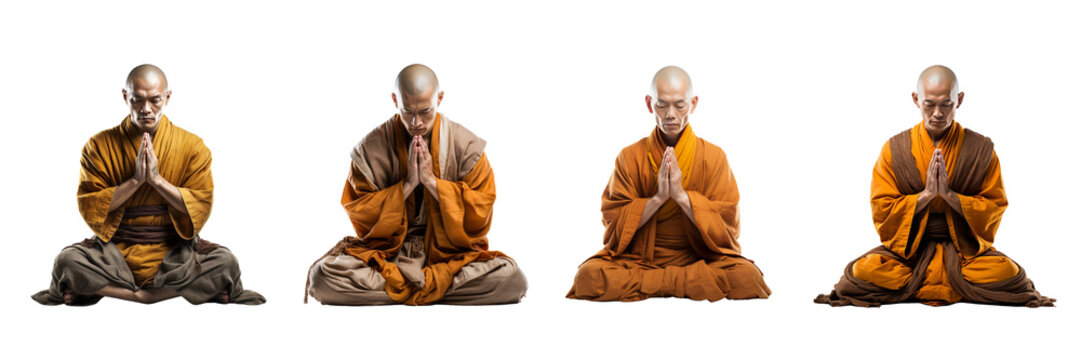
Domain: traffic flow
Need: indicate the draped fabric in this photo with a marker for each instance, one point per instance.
(670, 255)
(937, 256)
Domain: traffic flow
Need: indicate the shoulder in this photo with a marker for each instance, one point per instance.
(465, 141)
(971, 136)
(711, 150)
(378, 137)
(192, 141)
(104, 140)
(634, 154)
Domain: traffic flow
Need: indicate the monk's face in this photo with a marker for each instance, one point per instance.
(672, 108)
(937, 105)
(146, 100)
(418, 111)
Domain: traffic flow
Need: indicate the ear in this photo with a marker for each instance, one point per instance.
(125, 93)
(394, 98)
(960, 98)
(649, 103)
(916, 99)
(439, 98)
(168, 95)
(694, 103)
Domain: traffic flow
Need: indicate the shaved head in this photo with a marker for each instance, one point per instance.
(417, 97)
(938, 97)
(672, 77)
(148, 74)
(146, 92)
(671, 100)
(937, 77)
(416, 79)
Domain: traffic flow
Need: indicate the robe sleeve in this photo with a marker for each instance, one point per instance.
(621, 205)
(983, 211)
(377, 215)
(892, 211)
(716, 211)
(95, 192)
(196, 189)
(465, 206)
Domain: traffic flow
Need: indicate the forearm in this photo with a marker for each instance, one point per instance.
(953, 201)
(122, 193)
(432, 185)
(922, 201)
(651, 208)
(170, 193)
(684, 202)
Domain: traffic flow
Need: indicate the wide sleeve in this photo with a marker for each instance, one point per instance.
(716, 211)
(378, 216)
(465, 207)
(621, 205)
(892, 211)
(95, 192)
(983, 211)
(197, 190)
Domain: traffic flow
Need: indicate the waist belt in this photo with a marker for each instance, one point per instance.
(146, 234)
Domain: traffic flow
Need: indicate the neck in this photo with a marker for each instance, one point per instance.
(671, 140)
(936, 137)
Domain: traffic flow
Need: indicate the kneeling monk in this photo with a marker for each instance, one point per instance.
(419, 194)
(145, 190)
(937, 199)
(671, 214)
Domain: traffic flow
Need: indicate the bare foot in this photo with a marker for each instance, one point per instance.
(70, 298)
(224, 297)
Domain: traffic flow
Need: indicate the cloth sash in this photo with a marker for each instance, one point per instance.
(151, 234)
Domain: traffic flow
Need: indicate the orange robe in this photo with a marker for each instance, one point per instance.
(108, 159)
(670, 255)
(972, 231)
(454, 227)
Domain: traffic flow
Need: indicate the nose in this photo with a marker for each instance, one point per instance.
(146, 107)
(671, 113)
(938, 113)
(416, 121)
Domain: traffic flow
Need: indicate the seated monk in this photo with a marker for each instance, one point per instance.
(146, 211)
(419, 194)
(670, 214)
(937, 199)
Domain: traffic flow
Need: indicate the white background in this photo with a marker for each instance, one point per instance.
(800, 96)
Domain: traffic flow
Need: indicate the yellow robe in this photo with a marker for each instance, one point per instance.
(108, 159)
(895, 218)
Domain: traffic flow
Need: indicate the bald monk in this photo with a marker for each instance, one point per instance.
(670, 214)
(419, 194)
(145, 191)
(937, 199)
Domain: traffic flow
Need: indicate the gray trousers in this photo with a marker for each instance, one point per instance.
(198, 278)
(346, 280)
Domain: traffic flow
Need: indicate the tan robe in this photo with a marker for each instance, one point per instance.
(415, 249)
(670, 255)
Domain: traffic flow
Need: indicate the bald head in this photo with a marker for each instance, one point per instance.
(416, 79)
(147, 74)
(673, 78)
(938, 79)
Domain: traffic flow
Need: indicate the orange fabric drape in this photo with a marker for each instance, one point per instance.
(457, 227)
